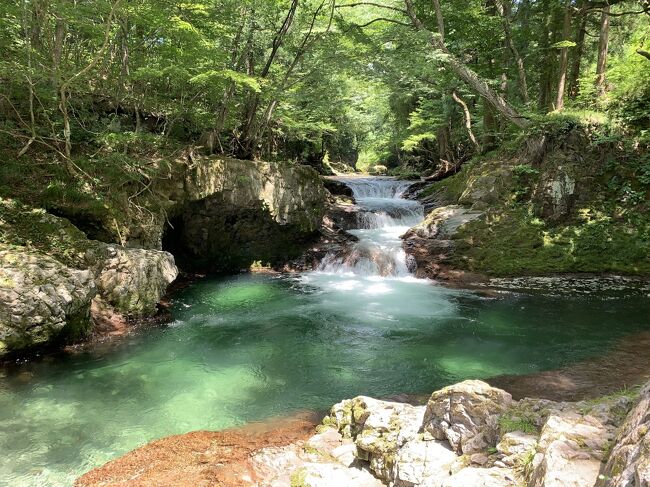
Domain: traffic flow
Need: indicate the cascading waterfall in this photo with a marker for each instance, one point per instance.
(384, 216)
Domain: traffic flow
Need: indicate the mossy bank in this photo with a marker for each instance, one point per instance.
(568, 197)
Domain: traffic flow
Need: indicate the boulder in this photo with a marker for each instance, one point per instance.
(379, 429)
(132, 281)
(337, 188)
(421, 462)
(572, 447)
(431, 243)
(41, 300)
(629, 462)
(466, 415)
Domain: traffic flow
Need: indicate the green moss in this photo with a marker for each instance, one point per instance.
(39, 231)
(299, 478)
(449, 189)
(519, 418)
(512, 241)
(508, 424)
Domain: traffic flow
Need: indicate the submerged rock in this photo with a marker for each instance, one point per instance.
(41, 300)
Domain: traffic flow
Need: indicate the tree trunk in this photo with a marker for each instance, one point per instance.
(548, 62)
(477, 84)
(246, 142)
(574, 77)
(564, 58)
(521, 69)
(603, 42)
(468, 120)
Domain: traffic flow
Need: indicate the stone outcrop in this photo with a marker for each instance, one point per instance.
(629, 461)
(466, 415)
(431, 243)
(226, 214)
(132, 281)
(41, 300)
(66, 281)
(470, 434)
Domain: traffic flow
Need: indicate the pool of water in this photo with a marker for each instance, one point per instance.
(249, 347)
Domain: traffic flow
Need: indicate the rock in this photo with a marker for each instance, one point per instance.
(556, 194)
(337, 188)
(431, 243)
(515, 447)
(481, 477)
(132, 281)
(485, 184)
(466, 415)
(41, 300)
(229, 213)
(378, 428)
(331, 474)
(572, 447)
(629, 462)
(378, 170)
(421, 462)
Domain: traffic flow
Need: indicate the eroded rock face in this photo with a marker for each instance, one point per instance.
(228, 213)
(466, 415)
(431, 243)
(629, 462)
(41, 300)
(132, 281)
(573, 448)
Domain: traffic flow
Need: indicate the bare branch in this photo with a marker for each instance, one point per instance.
(373, 4)
(383, 19)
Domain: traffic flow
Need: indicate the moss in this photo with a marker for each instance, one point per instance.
(39, 231)
(448, 190)
(299, 478)
(512, 241)
(519, 418)
(508, 424)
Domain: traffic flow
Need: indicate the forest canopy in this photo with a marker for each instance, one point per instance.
(416, 83)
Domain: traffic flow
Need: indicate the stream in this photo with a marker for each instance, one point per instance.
(252, 346)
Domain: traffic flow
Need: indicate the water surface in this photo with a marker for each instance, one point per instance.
(248, 347)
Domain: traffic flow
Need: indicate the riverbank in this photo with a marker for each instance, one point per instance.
(561, 200)
(309, 456)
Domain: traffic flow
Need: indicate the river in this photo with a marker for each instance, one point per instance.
(252, 346)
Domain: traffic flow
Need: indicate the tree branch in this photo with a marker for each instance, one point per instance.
(643, 53)
(373, 4)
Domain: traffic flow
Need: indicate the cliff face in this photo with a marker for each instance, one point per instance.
(229, 213)
(561, 203)
(214, 214)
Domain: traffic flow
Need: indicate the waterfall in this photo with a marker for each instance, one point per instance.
(384, 215)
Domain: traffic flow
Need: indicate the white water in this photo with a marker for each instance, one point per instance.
(376, 264)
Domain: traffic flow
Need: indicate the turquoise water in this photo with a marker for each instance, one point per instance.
(249, 347)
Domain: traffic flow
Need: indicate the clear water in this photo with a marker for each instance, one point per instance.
(249, 347)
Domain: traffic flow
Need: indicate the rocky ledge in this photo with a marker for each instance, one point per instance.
(467, 435)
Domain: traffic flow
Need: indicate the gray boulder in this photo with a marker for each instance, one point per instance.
(41, 300)
(132, 281)
(466, 414)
